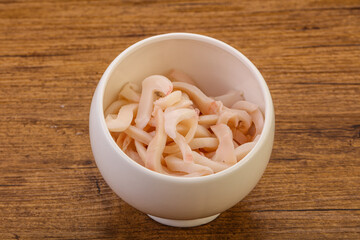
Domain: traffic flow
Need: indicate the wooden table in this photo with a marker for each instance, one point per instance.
(53, 53)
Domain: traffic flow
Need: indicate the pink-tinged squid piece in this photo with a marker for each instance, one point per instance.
(120, 139)
(121, 121)
(114, 107)
(254, 112)
(258, 120)
(242, 150)
(150, 85)
(139, 135)
(235, 117)
(178, 165)
(209, 143)
(201, 131)
(172, 119)
(245, 105)
(168, 100)
(141, 150)
(239, 136)
(134, 156)
(210, 119)
(214, 165)
(229, 98)
(131, 92)
(225, 152)
(127, 141)
(179, 76)
(206, 104)
(184, 102)
(157, 144)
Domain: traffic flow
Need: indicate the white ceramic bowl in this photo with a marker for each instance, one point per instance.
(216, 67)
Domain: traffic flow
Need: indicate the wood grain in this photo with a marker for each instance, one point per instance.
(52, 54)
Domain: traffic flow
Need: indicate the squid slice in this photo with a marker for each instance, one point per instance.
(120, 122)
(258, 120)
(206, 104)
(210, 119)
(180, 76)
(114, 107)
(202, 131)
(127, 141)
(254, 112)
(168, 100)
(130, 91)
(157, 144)
(229, 98)
(183, 103)
(178, 165)
(141, 150)
(210, 143)
(196, 143)
(210, 155)
(139, 134)
(172, 119)
(225, 152)
(135, 156)
(215, 166)
(120, 139)
(239, 136)
(150, 85)
(235, 116)
(243, 150)
(245, 105)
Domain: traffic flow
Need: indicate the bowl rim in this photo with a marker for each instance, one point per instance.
(269, 109)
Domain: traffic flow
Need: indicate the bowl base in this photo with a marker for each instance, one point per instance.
(184, 223)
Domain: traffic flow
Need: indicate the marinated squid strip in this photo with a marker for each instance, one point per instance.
(178, 165)
(235, 117)
(141, 150)
(133, 154)
(210, 119)
(180, 76)
(130, 91)
(209, 143)
(172, 119)
(168, 100)
(258, 120)
(229, 98)
(183, 103)
(157, 144)
(202, 131)
(245, 105)
(121, 121)
(225, 152)
(255, 113)
(139, 135)
(239, 136)
(114, 107)
(154, 83)
(245, 148)
(206, 104)
(214, 165)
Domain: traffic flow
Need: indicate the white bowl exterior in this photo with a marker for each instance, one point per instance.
(216, 67)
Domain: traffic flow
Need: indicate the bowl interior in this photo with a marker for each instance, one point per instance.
(213, 65)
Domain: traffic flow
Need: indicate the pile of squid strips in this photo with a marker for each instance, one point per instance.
(170, 126)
